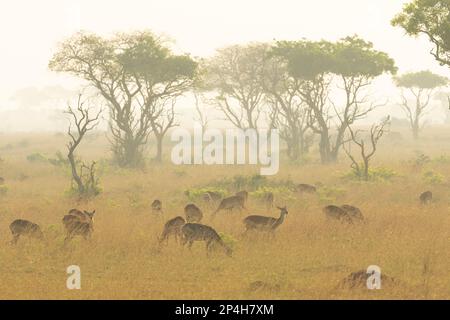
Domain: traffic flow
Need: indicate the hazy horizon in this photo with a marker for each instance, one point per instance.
(31, 32)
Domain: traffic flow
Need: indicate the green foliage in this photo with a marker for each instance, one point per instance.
(328, 194)
(421, 80)
(3, 190)
(280, 192)
(375, 174)
(196, 194)
(228, 239)
(59, 160)
(36, 157)
(431, 18)
(432, 177)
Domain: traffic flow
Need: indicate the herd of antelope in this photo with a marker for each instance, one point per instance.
(188, 229)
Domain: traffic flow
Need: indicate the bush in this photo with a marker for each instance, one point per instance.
(3, 190)
(36, 158)
(375, 174)
(281, 192)
(59, 161)
(432, 177)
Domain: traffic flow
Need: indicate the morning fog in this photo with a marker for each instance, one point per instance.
(230, 147)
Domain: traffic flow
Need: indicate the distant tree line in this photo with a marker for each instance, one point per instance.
(303, 88)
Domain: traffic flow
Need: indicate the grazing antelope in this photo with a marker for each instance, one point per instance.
(262, 223)
(337, 213)
(200, 232)
(306, 188)
(267, 198)
(172, 227)
(157, 207)
(83, 216)
(426, 197)
(25, 228)
(193, 213)
(211, 196)
(243, 194)
(354, 212)
(230, 203)
(74, 226)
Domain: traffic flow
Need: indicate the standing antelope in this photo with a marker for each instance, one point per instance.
(262, 223)
(83, 216)
(172, 227)
(306, 188)
(25, 228)
(337, 213)
(354, 212)
(157, 207)
(200, 232)
(268, 200)
(193, 213)
(426, 197)
(243, 194)
(230, 203)
(75, 226)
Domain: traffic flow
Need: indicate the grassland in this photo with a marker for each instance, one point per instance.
(306, 259)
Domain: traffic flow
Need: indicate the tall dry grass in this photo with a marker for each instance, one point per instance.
(307, 258)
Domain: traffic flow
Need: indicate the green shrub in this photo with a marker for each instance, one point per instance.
(37, 157)
(375, 174)
(432, 177)
(228, 239)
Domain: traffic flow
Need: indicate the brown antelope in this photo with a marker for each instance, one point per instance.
(263, 223)
(426, 197)
(172, 227)
(337, 213)
(157, 207)
(243, 194)
(83, 216)
(267, 198)
(230, 203)
(193, 213)
(306, 188)
(74, 226)
(354, 212)
(25, 228)
(200, 232)
(211, 197)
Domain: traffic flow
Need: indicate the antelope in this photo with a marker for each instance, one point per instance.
(426, 197)
(268, 200)
(230, 203)
(157, 207)
(83, 216)
(172, 227)
(193, 213)
(74, 226)
(243, 194)
(337, 213)
(25, 228)
(353, 212)
(211, 196)
(262, 223)
(306, 188)
(200, 232)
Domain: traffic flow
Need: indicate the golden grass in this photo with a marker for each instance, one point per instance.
(306, 260)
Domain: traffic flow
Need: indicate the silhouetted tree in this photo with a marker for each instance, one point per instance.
(421, 86)
(430, 18)
(138, 76)
(367, 149)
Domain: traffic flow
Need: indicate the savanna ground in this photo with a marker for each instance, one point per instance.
(307, 258)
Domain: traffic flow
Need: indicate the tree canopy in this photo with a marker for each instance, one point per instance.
(431, 18)
(421, 80)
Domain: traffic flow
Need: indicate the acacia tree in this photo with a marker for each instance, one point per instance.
(84, 175)
(421, 86)
(235, 74)
(288, 113)
(136, 74)
(367, 150)
(430, 18)
(352, 64)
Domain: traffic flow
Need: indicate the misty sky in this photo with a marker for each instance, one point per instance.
(30, 30)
